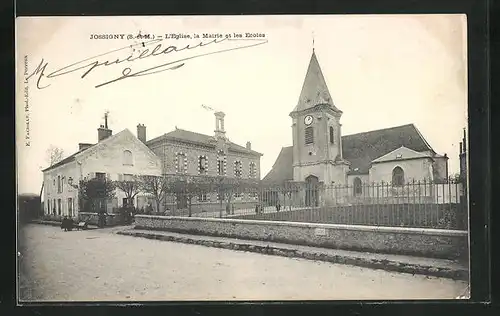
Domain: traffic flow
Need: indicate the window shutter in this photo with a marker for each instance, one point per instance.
(309, 135)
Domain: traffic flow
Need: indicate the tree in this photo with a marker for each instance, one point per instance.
(130, 187)
(52, 156)
(155, 186)
(92, 191)
(187, 187)
(227, 187)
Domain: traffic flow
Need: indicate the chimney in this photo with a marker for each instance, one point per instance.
(83, 146)
(141, 132)
(464, 141)
(249, 146)
(219, 125)
(103, 131)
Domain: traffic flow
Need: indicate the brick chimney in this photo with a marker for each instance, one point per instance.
(83, 146)
(103, 131)
(249, 146)
(219, 125)
(141, 132)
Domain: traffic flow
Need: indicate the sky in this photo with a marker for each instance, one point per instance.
(381, 71)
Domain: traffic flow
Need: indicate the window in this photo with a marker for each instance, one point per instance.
(221, 165)
(54, 206)
(70, 207)
(202, 165)
(398, 177)
(202, 197)
(331, 135)
(358, 189)
(59, 206)
(253, 170)
(48, 206)
(309, 133)
(100, 176)
(180, 163)
(58, 184)
(127, 158)
(238, 169)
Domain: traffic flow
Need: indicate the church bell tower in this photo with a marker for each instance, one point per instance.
(317, 137)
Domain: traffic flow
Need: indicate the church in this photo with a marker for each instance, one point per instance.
(320, 154)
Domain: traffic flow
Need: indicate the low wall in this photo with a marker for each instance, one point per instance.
(93, 218)
(438, 243)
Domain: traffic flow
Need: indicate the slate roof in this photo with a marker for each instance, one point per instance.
(282, 169)
(197, 138)
(362, 148)
(359, 149)
(314, 90)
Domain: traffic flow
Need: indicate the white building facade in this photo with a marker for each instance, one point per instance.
(114, 157)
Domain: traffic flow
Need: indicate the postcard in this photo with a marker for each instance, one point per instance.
(242, 158)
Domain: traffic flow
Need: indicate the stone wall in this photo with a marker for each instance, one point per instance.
(410, 241)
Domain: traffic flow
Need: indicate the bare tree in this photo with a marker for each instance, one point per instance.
(53, 155)
(156, 186)
(131, 187)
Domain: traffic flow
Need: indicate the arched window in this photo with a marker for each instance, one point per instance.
(221, 163)
(127, 158)
(309, 135)
(202, 165)
(180, 163)
(358, 189)
(331, 135)
(238, 169)
(398, 176)
(253, 171)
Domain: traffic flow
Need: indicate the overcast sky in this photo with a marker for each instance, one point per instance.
(382, 71)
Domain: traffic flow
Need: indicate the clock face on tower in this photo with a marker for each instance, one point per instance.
(308, 120)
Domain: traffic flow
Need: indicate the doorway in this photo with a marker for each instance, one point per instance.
(312, 191)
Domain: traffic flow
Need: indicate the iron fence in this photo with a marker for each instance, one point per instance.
(415, 204)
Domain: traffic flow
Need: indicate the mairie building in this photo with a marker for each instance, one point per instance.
(123, 156)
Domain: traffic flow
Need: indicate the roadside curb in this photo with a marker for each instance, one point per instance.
(51, 223)
(387, 265)
(58, 224)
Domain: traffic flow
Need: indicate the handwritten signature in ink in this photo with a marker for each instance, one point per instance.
(110, 58)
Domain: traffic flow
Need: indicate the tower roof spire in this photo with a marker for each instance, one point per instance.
(314, 90)
(313, 40)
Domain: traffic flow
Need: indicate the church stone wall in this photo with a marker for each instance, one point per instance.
(440, 168)
(414, 169)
